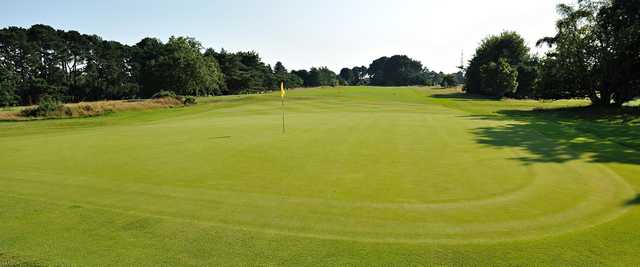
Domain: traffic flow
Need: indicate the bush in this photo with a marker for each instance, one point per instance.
(163, 94)
(48, 106)
(189, 100)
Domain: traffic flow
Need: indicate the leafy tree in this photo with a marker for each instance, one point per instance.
(508, 47)
(346, 74)
(528, 78)
(322, 77)
(290, 79)
(397, 70)
(294, 81)
(432, 78)
(145, 56)
(498, 79)
(112, 77)
(448, 80)
(354, 76)
(596, 52)
(280, 72)
(304, 76)
(186, 71)
(571, 65)
(359, 75)
(619, 32)
(244, 71)
(74, 55)
(8, 96)
(459, 77)
(176, 66)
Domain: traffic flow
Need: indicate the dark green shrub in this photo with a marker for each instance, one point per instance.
(189, 100)
(48, 106)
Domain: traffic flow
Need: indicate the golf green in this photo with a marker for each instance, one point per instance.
(361, 176)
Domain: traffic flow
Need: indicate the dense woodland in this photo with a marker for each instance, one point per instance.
(595, 54)
(43, 62)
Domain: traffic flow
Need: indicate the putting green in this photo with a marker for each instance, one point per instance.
(355, 164)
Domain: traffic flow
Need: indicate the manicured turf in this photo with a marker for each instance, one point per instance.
(362, 176)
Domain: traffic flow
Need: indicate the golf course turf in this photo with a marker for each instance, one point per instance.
(362, 176)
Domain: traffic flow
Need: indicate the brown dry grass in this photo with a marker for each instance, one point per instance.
(88, 109)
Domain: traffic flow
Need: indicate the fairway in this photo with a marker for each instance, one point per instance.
(362, 176)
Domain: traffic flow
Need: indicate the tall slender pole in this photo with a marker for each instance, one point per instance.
(283, 129)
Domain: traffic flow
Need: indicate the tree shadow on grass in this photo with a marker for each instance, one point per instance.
(633, 202)
(463, 96)
(561, 135)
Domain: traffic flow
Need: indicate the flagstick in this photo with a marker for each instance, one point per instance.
(283, 129)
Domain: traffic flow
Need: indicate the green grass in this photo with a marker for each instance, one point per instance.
(363, 176)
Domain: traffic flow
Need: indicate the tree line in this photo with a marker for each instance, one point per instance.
(71, 67)
(398, 70)
(595, 54)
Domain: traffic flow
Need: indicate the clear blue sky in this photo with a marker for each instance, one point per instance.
(301, 34)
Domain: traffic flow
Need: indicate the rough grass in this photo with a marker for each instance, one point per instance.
(90, 109)
(363, 176)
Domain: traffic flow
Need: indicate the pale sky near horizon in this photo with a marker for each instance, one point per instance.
(303, 34)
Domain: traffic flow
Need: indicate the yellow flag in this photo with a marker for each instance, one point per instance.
(282, 92)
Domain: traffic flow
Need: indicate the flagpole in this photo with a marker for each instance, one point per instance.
(282, 96)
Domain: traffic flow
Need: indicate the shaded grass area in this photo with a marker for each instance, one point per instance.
(633, 202)
(463, 96)
(561, 135)
(558, 131)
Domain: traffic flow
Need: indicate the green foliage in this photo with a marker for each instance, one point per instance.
(244, 71)
(77, 67)
(8, 96)
(48, 106)
(354, 76)
(528, 79)
(595, 53)
(294, 81)
(508, 47)
(144, 58)
(66, 64)
(179, 66)
(346, 75)
(290, 79)
(189, 100)
(280, 72)
(397, 70)
(498, 79)
(448, 80)
(303, 75)
(360, 76)
(322, 76)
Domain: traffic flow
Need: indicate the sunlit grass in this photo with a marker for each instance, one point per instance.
(362, 176)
